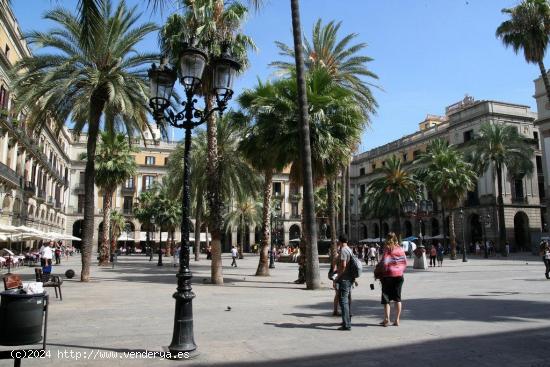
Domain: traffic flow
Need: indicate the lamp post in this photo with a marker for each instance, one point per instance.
(418, 209)
(274, 232)
(464, 258)
(486, 222)
(192, 63)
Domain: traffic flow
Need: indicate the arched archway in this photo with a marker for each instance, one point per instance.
(476, 230)
(294, 231)
(521, 232)
(77, 232)
(435, 227)
(364, 231)
(385, 229)
(408, 228)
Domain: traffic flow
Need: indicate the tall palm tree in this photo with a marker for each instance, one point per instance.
(264, 156)
(146, 209)
(500, 145)
(340, 58)
(528, 30)
(103, 81)
(336, 124)
(214, 25)
(168, 211)
(115, 163)
(348, 69)
(392, 188)
(239, 180)
(449, 177)
(246, 212)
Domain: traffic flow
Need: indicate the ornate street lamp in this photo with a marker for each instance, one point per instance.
(418, 209)
(192, 64)
(274, 234)
(464, 258)
(486, 222)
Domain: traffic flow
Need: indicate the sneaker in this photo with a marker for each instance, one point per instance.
(344, 328)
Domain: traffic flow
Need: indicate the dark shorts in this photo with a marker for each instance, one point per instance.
(391, 289)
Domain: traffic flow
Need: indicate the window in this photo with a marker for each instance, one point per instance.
(538, 160)
(373, 166)
(362, 171)
(148, 182)
(416, 153)
(277, 188)
(404, 157)
(129, 184)
(165, 161)
(383, 163)
(7, 51)
(536, 138)
(150, 161)
(518, 188)
(468, 135)
(81, 178)
(362, 189)
(127, 204)
(294, 210)
(3, 97)
(80, 204)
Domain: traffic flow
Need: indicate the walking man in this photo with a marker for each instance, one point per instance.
(234, 254)
(344, 281)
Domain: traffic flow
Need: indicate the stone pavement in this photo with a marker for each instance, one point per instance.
(483, 313)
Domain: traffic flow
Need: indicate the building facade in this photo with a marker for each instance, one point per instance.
(34, 167)
(524, 199)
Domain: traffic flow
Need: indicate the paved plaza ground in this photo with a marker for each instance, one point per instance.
(486, 312)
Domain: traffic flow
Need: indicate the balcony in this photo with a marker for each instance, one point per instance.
(128, 190)
(79, 189)
(519, 200)
(41, 195)
(9, 175)
(295, 197)
(128, 211)
(29, 187)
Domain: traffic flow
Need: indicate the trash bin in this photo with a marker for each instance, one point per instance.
(21, 317)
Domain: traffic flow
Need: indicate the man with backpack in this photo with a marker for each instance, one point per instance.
(347, 272)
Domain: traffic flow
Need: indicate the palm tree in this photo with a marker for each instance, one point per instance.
(336, 125)
(246, 212)
(146, 209)
(104, 80)
(338, 57)
(449, 177)
(117, 223)
(168, 211)
(528, 29)
(239, 180)
(391, 189)
(348, 70)
(214, 26)
(115, 164)
(500, 145)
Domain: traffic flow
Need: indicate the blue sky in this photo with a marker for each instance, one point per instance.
(427, 53)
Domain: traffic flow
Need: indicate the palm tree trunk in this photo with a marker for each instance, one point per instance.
(445, 230)
(198, 218)
(263, 264)
(214, 196)
(104, 250)
(243, 233)
(500, 204)
(89, 187)
(313, 279)
(452, 235)
(545, 79)
(343, 200)
(332, 217)
(348, 201)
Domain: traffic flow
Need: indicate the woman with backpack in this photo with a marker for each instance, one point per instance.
(390, 272)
